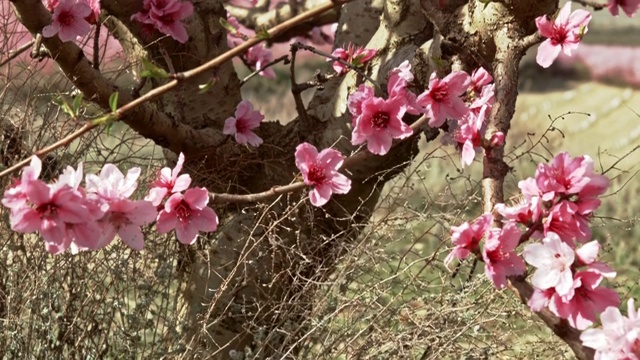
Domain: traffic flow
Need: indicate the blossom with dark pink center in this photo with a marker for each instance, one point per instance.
(584, 301)
(241, 126)
(69, 20)
(399, 78)
(166, 16)
(566, 220)
(563, 34)
(356, 99)
(442, 100)
(466, 237)
(469, 135)
(354, 55)
(168, 182)
(188, 214)
(320, 170)
(379, 123)
(124, 218)
(479, 79)
(630, 7)
(500, 258)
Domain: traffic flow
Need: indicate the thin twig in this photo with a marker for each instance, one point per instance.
(96, 47)
(357, 69)
(593, 4)
(15, 53)
(295, 91)
(283, 58)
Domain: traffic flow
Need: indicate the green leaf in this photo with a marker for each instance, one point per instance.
(153, 71)
(113, 102)
(203, 88)
(225, 24)
(66, 108)
(263, 34)
(76, 103)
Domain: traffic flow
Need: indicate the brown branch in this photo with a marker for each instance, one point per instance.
(505, 72)
(141, 117)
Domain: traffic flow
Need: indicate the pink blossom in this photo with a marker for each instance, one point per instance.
(258, 56)
(584, 301)
(168, 182)
(166, 16)
(479, 78)
(630, 7)
(525, 212)
(16, 196)
(355, 100)
(354, 55)
(540, 299)
(566, 220)
(124, 217)
(399, 78)
(243, 123)
(500, 258)
(570, 176)
(320, 170)
(52, 210)
(485, 99)
(619, 337)
(442, 100)
(469, 135)
(51, 5)
(466, 237)
(95, 11)
(379, 123)
(564, 33)
(243, 3)
(587, 256)
(188, 214)
(69, 20)
(553, 259)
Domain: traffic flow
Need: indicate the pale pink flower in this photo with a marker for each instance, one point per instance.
(619, 337)
(570, 176)
(500, 258)
(630, 7)
(15, 196)
(553, 260)
(354, 55)
(466, 237)
(243, 123)
(379, 123)
(69, 20)
(484, 99)
(166, 16)
(587, 256)
(258, 56)
(442, 100)
(584, 301)
(168, 182)
(563, 34)
(320, 170)
(112, 184)
(322, 35)
(540, 299)
(51, 4)
(188, 214)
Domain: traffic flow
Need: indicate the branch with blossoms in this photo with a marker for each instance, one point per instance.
(95, 87)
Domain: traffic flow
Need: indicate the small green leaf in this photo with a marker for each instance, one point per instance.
(203, 88)
(225, 24)
(153, 71)
(66, 108)
(263, 34)
(113, 102)
(76, 104)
